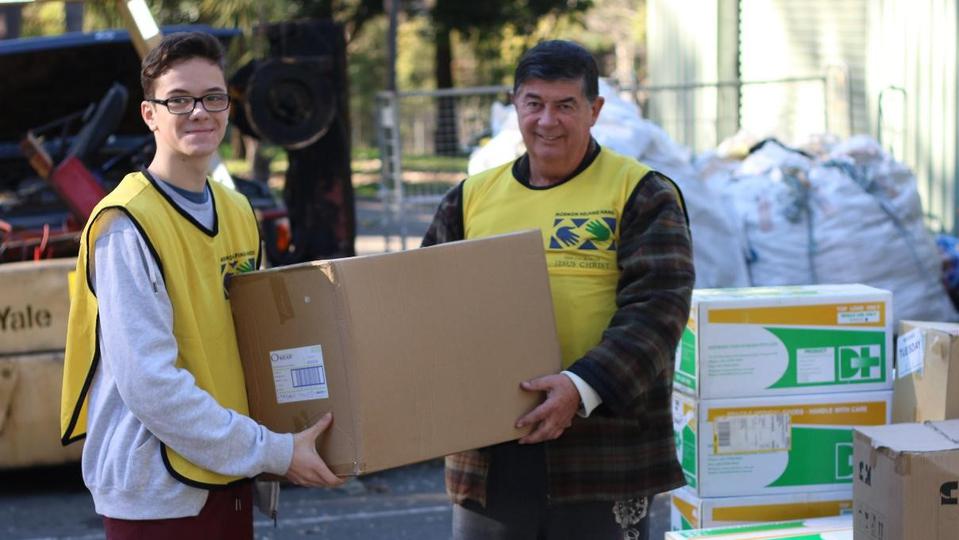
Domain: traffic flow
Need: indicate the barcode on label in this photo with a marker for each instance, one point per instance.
(722, 434)
(310, 376)
(752, 433)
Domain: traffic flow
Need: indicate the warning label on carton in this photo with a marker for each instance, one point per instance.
(299, 374)
(816, 365)
(859, 317)
(910, 352)
(752, 434)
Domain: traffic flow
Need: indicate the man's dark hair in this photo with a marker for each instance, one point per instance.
(558, 60)
(176, 48)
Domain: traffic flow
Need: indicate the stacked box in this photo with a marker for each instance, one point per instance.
(772, 341)
(907, 482)
(927, 374)
(769, 384)
(30, 411)
(772, 445)
(834, 528)
(34, 306)
(687, 511)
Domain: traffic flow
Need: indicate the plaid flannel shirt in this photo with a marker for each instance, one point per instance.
(625, 448)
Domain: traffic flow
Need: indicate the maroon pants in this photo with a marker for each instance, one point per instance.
(227, 515)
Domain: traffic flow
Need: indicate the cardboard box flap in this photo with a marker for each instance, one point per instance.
(948, 429)
(912, 438)
(946, 327)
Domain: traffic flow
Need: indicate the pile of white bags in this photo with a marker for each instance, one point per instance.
(850, 215)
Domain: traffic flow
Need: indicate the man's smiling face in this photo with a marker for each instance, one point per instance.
(555, 118)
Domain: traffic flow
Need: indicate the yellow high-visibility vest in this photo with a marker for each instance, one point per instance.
(580, 222)
(195, 264)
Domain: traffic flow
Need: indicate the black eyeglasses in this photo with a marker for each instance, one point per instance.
(186, 104)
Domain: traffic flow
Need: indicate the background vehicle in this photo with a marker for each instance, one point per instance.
(72, 130)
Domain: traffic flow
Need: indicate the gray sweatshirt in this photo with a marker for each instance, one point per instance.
(139, 398)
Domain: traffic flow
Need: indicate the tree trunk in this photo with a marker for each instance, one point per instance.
(11, 21)
(445, 138)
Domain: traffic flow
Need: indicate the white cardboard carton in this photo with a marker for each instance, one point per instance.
(766, 341)
(687, 511)
(835, 528)
(772, 445)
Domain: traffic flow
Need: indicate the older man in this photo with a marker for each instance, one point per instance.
(621, 272)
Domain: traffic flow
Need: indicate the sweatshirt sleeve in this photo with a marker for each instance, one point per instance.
(652, 298)
(139, 350)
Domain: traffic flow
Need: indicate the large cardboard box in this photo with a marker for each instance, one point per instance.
(766, 341)
(927, 372)
(907, 482)
(834, 528)
(30, 411)
(418, 354)
(687, 511)
(777, 445)
(34, 305)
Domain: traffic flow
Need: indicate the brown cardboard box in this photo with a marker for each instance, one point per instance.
(906, 485)
(927, 374)
(34, 305)
(418, 354)
(30, 411)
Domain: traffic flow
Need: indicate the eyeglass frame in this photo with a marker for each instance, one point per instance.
(166, 102)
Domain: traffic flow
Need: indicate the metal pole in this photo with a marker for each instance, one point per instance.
(391, 7)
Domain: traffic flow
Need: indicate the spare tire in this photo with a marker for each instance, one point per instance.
(290, 101)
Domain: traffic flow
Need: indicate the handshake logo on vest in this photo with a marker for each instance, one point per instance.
(237, 263)
(584, 231)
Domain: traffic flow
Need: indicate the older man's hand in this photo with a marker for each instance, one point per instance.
(551, 418)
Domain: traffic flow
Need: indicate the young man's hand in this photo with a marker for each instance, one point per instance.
(307, 467)
(551, 418)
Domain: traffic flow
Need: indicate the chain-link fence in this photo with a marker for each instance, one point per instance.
(425, 137)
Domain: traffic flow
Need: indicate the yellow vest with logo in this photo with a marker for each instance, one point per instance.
(580, 222)
(195, 264)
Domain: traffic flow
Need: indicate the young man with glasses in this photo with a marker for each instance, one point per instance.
(152, 377)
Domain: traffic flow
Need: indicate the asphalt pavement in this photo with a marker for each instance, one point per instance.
(406, 503)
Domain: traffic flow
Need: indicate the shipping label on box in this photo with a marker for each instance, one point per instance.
(765, 341)
(687, 511)
(760, 446)
(34, 305)
(418, 354)
(927, 372)
(907, 482)
(833, 528)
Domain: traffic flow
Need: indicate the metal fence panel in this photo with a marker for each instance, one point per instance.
(419, 130)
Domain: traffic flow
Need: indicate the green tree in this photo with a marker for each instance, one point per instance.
(486, 20)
